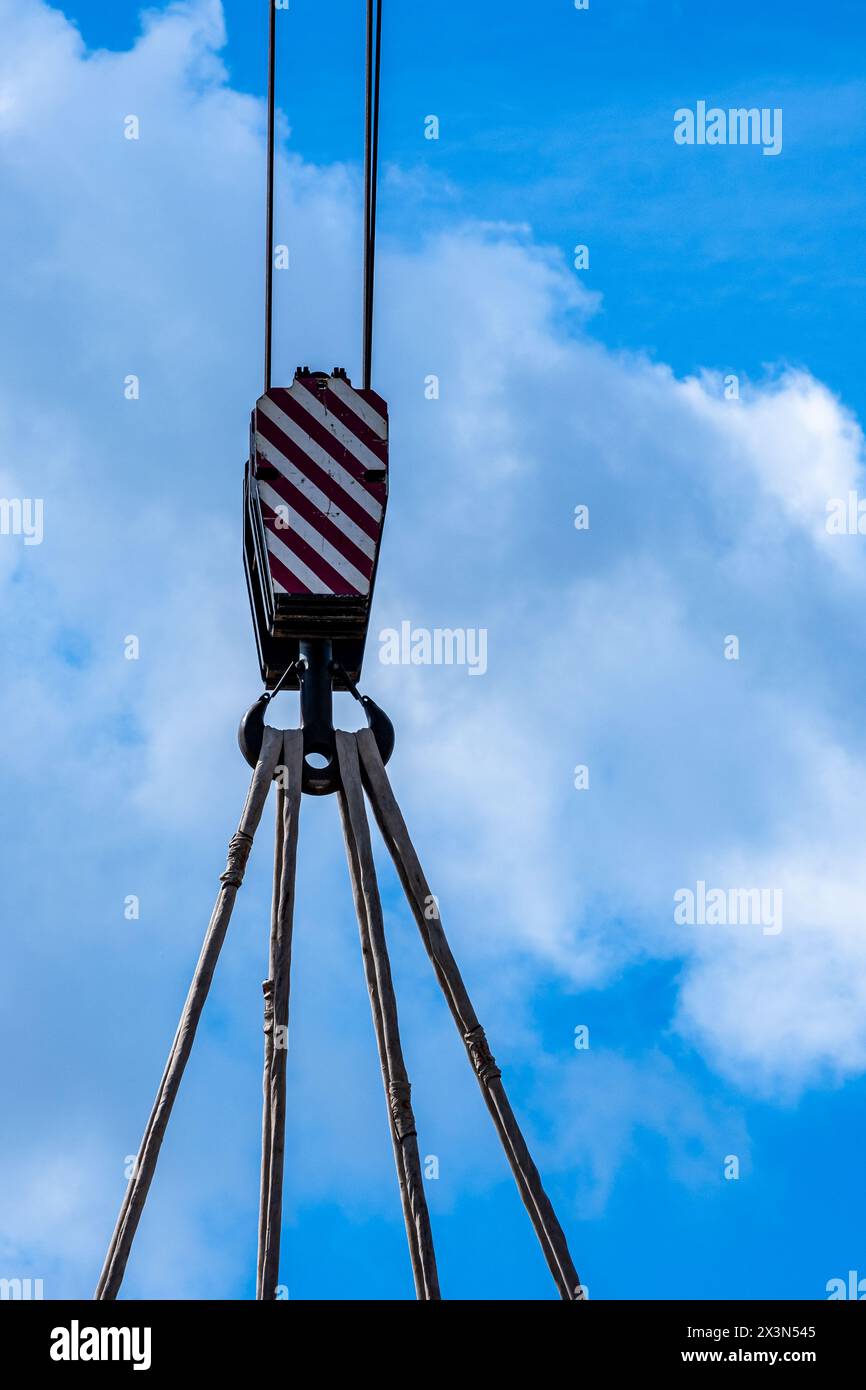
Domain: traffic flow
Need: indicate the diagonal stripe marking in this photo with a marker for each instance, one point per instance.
(314, 538)
(329, 508)
(308, 446)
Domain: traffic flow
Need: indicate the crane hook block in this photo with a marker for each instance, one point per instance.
(315, 493)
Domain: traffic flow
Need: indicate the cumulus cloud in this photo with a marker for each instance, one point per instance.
(606, 646)
(607, 649)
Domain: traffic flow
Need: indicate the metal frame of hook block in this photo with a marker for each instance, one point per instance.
(315, 495)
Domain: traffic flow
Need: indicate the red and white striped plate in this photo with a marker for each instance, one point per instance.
(320, 450)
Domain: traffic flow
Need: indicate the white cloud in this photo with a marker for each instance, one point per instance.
(795, 438)
(606, 648)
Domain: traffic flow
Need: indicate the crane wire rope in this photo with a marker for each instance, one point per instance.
(372, 89)
(371, 176)
(269, 197)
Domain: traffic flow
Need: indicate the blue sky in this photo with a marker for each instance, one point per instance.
(559, 387)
